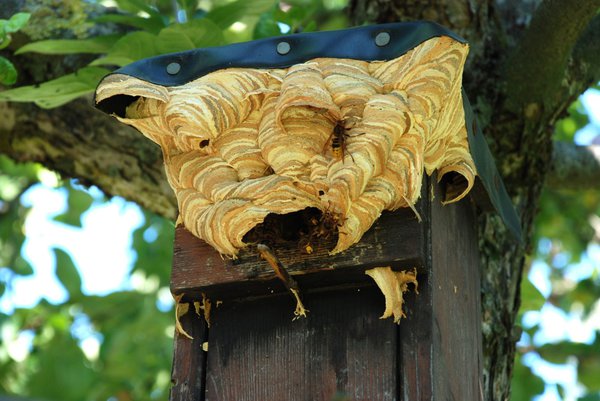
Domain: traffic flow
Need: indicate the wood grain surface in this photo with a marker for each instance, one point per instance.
(456, 305)
(258, 353)
(189, 360)
(396, 240)
(342, 351)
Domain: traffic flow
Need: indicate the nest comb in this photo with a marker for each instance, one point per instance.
(344, 123)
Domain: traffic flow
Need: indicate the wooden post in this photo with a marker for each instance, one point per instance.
(342, 350)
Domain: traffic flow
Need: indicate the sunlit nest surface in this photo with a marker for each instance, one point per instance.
(331, 143)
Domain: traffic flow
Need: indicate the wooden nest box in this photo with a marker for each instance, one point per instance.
(316, 152)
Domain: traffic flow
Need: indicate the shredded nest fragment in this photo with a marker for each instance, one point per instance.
(181, 308)
(204, 306)
(393, 285)
(345, 137)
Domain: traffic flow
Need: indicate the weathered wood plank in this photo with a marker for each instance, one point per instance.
(189, 360)
(455, 289)
(440, 341)
(256, 351)
(395, 239)
(416, 354)
(342, 349)
(415, 345)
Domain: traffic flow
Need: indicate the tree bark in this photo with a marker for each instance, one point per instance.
(520, 78)
(529, 60)
(574, 167)
(79, 141)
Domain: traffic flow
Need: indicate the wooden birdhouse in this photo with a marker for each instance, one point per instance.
(318, 178)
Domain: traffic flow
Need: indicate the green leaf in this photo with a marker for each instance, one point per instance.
(590, 397)
(5, 39)
(154, 257)
(311, 26)
(131, 47)
(151, 25)
(588, 369)
(525, 385)
(15, 179)
(136, 6)
(99, 44)
(23, 174)
(78, 202)
(301, 3)
(296, 16)
(69, 380)
(67, 273)
(101, 310)
(58, 91)
(564, 217)
(22, 267)
(190, 7)
(188, 36)
(586, 293)
(577, 118)
(16, 22)
(8, 72)
(266, 27)
(226, 15)
(337, 21)
(531, 297)
(155, 20)
(559, 352)
(12, 25)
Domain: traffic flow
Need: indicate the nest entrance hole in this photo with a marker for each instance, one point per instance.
(117, 104)
(306, 229)
(453, 185)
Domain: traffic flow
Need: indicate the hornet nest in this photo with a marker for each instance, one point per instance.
(346, 138)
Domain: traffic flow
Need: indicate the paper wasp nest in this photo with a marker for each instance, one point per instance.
(350, 138)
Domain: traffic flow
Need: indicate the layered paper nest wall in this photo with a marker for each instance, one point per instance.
(240, 144)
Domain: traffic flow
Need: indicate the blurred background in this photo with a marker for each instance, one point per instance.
(84, 278)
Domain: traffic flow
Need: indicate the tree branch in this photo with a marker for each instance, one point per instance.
(536, 69)
(574, 167)
(78, 141)
(585, 65)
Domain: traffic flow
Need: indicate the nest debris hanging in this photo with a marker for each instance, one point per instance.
(393, 285)
(340, 139)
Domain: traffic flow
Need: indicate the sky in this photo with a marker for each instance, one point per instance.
(101, 250)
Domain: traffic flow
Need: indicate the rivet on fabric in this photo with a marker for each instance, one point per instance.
(382, 39)
(283, 48)
(173, 68)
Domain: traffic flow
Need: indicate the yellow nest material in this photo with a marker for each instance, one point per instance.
(393, 285)
(351, 138)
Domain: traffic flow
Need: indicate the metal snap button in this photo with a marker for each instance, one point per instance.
(283, 48)
(173, 68)
(382, 39)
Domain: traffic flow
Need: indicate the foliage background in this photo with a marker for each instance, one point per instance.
(133, 328)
